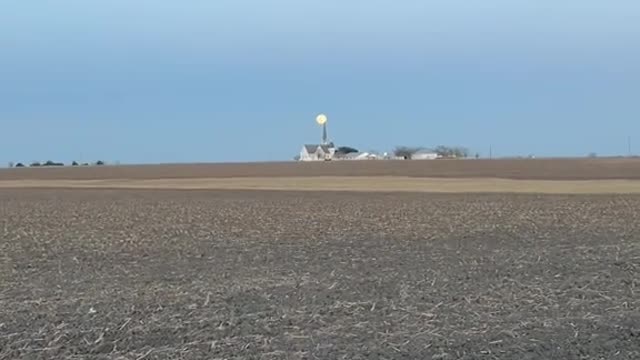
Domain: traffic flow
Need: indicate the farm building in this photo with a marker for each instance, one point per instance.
(424, 155)
(356, 156)
(317, 152)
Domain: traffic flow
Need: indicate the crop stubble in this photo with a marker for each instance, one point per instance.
(272, 275)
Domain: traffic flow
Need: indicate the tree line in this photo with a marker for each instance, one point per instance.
(50, 163)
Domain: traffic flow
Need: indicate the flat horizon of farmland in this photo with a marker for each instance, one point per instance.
(515, 169)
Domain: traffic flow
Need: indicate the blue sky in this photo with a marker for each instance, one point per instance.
(237, 80)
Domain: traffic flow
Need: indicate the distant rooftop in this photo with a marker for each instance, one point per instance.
(311, 148)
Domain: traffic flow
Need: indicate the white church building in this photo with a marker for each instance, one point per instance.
(317, 152)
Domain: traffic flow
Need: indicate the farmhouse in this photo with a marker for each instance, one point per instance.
(317, 152)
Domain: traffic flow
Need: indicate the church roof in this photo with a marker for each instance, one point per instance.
(312, 148)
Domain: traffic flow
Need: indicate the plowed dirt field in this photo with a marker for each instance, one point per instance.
(155, 274)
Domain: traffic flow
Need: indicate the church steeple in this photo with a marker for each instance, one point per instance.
(325, 138)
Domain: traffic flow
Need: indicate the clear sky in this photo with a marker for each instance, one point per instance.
(238, 80)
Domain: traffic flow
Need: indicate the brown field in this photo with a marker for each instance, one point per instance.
(155, 274)
(119, 263)
(350, 184)
(534, 169)
(547, 176)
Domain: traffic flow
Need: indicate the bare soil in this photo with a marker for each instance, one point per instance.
(349, 183)
(147, 274)
(541, 169)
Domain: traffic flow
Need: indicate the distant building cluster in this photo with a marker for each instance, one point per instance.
(327, 151)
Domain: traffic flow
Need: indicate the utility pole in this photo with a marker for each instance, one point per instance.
(490, 152)
(629, 145)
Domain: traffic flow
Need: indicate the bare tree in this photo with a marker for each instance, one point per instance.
(406, 151)
(461, 152)
(452, 151)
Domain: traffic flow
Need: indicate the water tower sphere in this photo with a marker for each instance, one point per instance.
(321, 119)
